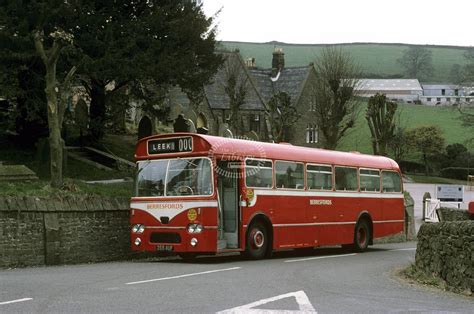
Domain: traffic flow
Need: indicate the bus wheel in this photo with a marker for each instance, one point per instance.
(361, 235)
(257, 241)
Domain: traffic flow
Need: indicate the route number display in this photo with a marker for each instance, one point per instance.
(170, 145)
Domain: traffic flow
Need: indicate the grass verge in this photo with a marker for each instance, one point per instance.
(413, 275)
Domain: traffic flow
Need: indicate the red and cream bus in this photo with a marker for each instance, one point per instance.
(199, 194)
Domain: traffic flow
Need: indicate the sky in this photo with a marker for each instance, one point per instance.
(345, 21)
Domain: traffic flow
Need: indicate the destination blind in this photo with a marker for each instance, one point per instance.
(170, 145)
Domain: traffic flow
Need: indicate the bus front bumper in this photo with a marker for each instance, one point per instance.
(180, 240)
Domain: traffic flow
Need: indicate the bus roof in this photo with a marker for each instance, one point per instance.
(207, 145)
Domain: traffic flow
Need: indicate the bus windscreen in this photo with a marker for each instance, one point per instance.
(174, 177)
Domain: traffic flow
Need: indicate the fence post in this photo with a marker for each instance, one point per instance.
(425, 196)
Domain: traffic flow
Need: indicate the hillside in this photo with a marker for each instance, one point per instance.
(376, 59)
(447, 118)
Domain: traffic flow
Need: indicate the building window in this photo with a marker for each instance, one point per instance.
(458, 99)
(255, 123)
(456, 92)
(428, 99)
(311, 133)
(443, 92)
(448, 99)
(438, 99)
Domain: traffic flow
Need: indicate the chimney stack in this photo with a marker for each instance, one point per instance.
(278, 61)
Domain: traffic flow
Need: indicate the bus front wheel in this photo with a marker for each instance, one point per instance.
(257, 241)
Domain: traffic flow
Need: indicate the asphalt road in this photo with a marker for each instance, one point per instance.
(323, 280)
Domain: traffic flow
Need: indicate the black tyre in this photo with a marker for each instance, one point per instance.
(257, 245)
(362, 235)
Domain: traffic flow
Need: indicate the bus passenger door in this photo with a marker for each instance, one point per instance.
(228, 189)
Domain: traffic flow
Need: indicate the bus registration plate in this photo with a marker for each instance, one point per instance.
(164, 248)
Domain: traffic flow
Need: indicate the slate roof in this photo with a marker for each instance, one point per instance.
(389, 85)
(217, 97)
(440, 86)
(289, 81)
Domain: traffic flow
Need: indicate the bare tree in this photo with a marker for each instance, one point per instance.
(282, 116)
(380, 116)
(236, 87)
(334, 90)
(417, 62)
(56, 95)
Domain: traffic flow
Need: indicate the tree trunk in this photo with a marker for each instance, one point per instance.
(382, 149)
(97, 110)
(425, 160)
(55, 143)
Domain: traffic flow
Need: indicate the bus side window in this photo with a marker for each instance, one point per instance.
(319, 177)
(289, 175)
(346, 179)
(369, 180)
(258, 173)
(391, 182)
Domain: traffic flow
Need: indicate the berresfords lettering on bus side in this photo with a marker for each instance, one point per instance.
(320, 202)
(165, 206)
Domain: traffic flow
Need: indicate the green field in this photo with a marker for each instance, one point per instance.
(447, 118)
(378, 59)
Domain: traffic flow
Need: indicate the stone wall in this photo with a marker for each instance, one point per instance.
(37, 231)
(452, 214)
(446, 250)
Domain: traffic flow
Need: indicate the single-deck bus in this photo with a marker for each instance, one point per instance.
(198, 194)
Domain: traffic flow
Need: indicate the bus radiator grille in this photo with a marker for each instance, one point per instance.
(165, 237)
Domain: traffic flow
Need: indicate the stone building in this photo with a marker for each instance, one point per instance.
(237, 77)
(297, 83)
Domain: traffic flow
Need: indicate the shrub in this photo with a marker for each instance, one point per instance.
(411, 166)
(459, 173)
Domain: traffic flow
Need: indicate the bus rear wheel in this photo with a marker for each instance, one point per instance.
(362, 236)
(257, 241)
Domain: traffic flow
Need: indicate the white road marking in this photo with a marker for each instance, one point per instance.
(16, 301)
(301, 298)
(318, 257)
(182, 276)
(407, 249)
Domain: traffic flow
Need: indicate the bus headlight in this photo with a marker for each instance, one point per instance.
(138, 228)
(194, 242)
(138, 241)
(195, 228)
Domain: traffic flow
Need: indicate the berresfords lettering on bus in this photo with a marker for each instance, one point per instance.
(320, 202)
(170, 209)
(165, 206)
